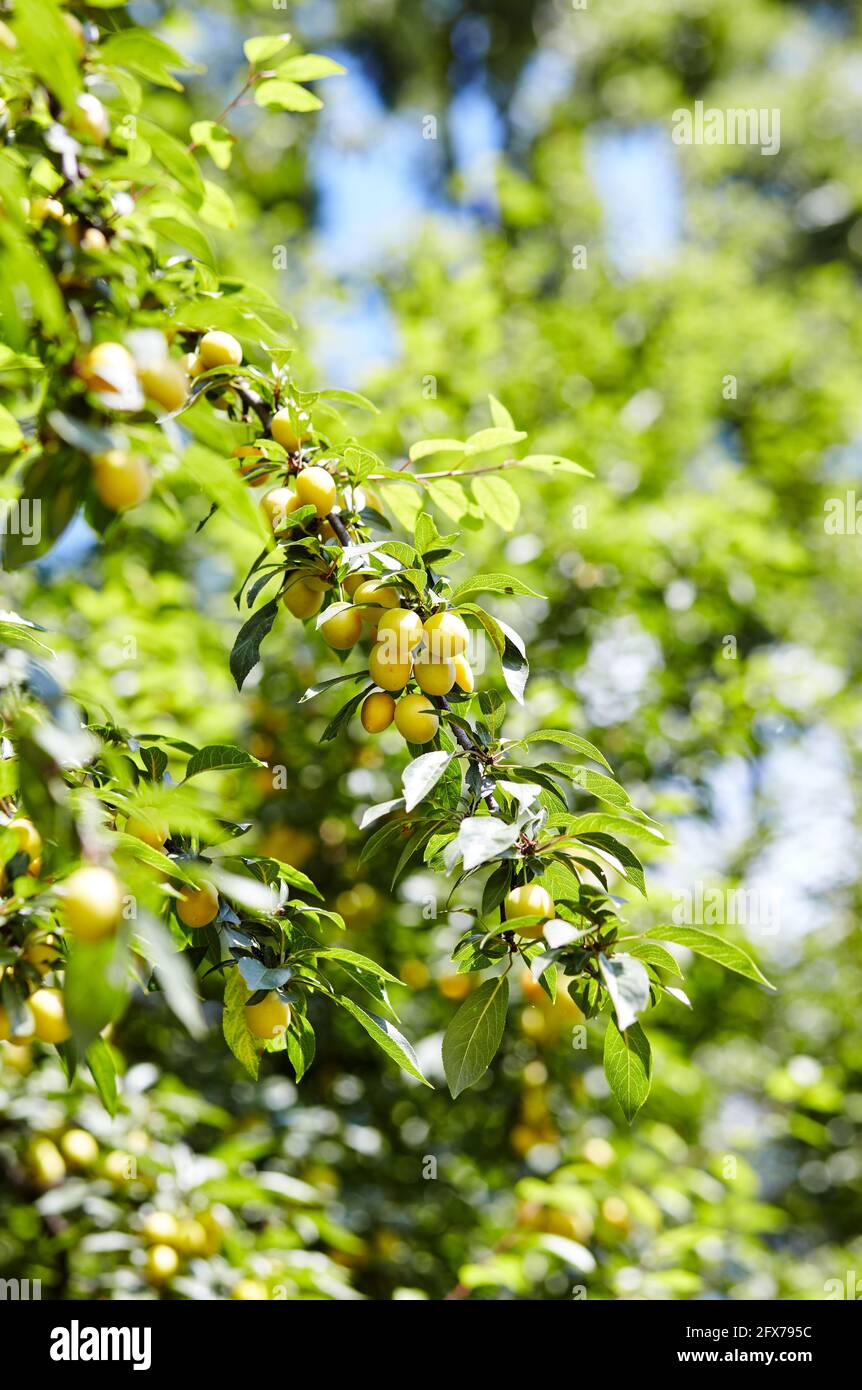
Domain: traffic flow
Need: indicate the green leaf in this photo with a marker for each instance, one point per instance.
(627, 983)
(498, 500)
(341, 953)
(320, 686)
(172, 154)
(480, 839)
(216, 477)
(100, 1060)
(343, 716)
(217, 208)
(277, 95)
(491, 584)
(295, 877)
(155, 760)
(628, 1066)
(123, 844)
(309, 67)
(386, 1036)
(450, 497)
(568, 740)
(142, 52)
(715, 948)
(424, 448)
(491, 626)
(173, 973)
(627, 863)
(516, 667)
(484, 441)
(404, 503)
(216, 757)
(605, 788)
(178, 231)
(500, 415)
(234, 1026)
(246, 648)
(654, 955)
(17, 632)
(424, 532)
(216, 140)
(552, 463)
(471, 1041)
(95, 987)
(11, 437)
(263, 48)
(422, 775)
(8, 776)
(338, 393)
(605, 820)
(49, 47)
(496, 887)
(300, 1045)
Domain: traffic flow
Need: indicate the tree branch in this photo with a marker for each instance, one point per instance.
(445, 472)
(469, 746)
(339, 528)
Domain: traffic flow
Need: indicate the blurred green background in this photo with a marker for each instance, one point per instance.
(491, 201)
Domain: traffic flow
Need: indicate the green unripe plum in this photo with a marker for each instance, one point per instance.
(217, 349)
(315, 487)
(530, 900)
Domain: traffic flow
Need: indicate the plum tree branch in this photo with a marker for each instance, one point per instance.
(464, 741)
(445, 473)
(339, 528)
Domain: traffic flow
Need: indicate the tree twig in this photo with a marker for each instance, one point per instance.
(469, 746)
(446, 472)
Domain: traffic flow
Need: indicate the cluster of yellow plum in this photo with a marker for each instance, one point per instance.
(429, 653)
(170, 1238)
(198, 906)
(122, 479)
(50, 209)
(314, 487)
(92, 906)
(29, 842)
(39, 950)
